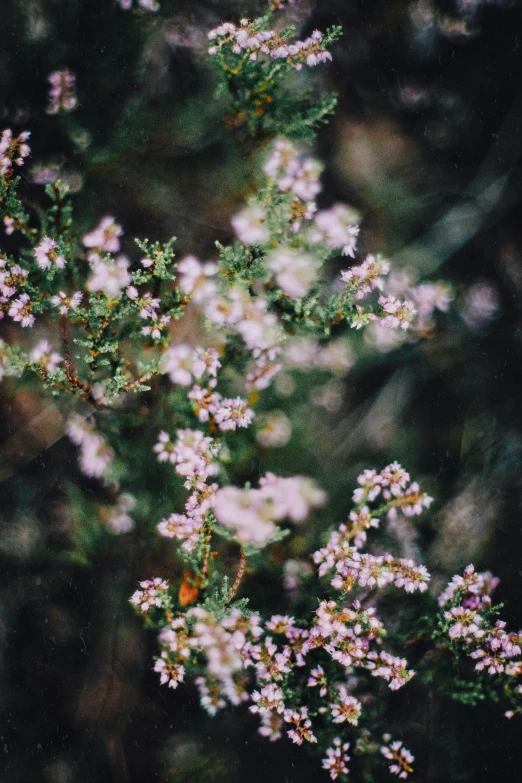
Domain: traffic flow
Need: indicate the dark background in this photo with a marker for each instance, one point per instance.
(426, 143)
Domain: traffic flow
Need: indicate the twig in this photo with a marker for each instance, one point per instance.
(70, 370)
(139, 381)
(239, 577)
(206, 558)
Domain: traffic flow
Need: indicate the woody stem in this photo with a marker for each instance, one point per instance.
(239, 577)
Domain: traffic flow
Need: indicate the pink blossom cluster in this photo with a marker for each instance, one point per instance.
(346, 708)
(253, 42)
(337, 758)
(109, 276)
(117, 519)
(46, 255)
(221, 642)
(20, 310)
(188, 527)
(105, 237)
(62, 95)
(490, 645)
(259, 329)
(366, 570)
(252, 513)
(228, 413)
(367, 276)
(147, 5)
(193, 453)
(476, 588)
(294, 270)
(345, 632)
(293, 171)
(174, 640)
(64, 303)
(13, 149)
(184, 364)
(393, 485)
(425, 298)
(148, 306)
(336, 228)
(95, 455)
(151, 594)
(301, 726)
(44, 355)
(391, 668)
(341, 553)
(349, 636)
(401, 758)
(237, 311)
(250, 225)
(305, 353)
(398, 314)
(12, 278)
(275, 430)
(196, 278)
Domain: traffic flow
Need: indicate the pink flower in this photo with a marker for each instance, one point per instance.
(294, 270)
(62, 94)
(43, 354)
(337, 759)
(109, 276)
(105, 236)
(250, 226)
(65, 303)
(302, 726)
(46, 254)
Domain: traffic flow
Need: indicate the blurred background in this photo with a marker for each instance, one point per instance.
(426, 145)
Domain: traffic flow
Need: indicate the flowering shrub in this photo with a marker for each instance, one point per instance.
(105, 329)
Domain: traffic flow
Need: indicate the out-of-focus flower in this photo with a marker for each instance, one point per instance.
(62, 95)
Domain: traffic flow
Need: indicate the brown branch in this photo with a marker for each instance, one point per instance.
(139, 381)
(206, 558)
(239, 578)
(75, 381)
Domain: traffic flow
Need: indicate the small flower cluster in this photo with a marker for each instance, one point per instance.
(47, 256)
(44, 355)
(13, 150)
(13, 278)
(147, 5)
(338, 229)
(95, 455)
(294, 172)
(62, 95)
(424, 300)
(400, 757)
(469, 619)
(193, 453)
(252, 513)
(368, 276)
(237, 657)
(337, 758)
(184, 364)
(150, 595)
(248, 39)
(304, 353)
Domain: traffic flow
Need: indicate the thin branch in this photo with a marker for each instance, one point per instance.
(239, 578)
(206, 558)
(84, 389)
